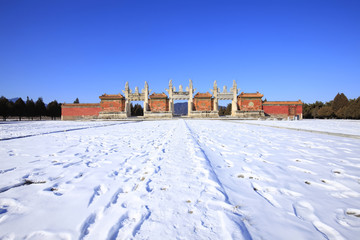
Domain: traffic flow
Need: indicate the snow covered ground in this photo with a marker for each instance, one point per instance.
(335, 126)
(178, 179)
(25, 128)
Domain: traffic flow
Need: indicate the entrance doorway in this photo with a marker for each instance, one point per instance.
(180, 108)
(137, 108)
(224, 107)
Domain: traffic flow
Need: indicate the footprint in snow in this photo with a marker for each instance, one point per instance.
(7, 170)
(353, 212)
(305, 211)
(265, 193)
(99, 190)
(115, 197)
(130, 223)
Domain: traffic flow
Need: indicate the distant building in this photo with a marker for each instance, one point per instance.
(200, 105)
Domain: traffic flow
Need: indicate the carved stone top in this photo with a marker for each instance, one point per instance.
(180, 88)
(225, 89)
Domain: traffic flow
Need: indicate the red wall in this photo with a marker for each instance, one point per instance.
(79, 111)
(243, 104)
(282, 110)
(203, 104)
(159, 105)
(113, 105)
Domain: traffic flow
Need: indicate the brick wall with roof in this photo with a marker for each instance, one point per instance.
(159, 102)
(112, 103)
(283, 108)
(203, 102)
(250, 101)
(79, 111)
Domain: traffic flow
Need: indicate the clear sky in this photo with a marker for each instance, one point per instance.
(287, 50)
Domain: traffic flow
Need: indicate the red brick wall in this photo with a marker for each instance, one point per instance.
(159, 105)
(282, 110)
(203, 104)
(79, 111)
(113, 105)
(249, 104)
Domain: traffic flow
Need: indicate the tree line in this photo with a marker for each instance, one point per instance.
(29, 109)
(136, 110)
(225, 110)
(340, 107)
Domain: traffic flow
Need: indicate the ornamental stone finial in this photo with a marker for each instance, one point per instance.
(180, 88)
(224, 89)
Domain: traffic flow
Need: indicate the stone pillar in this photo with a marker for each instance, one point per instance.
(234, 107)
(127, 102)
(171, 100)
(215, 94)
(190, 101)
(146, 97)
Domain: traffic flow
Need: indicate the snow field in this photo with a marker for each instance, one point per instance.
(351, 127)
(192, 179)
(28, 128)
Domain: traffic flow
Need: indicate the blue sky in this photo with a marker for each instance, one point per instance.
(287, 50)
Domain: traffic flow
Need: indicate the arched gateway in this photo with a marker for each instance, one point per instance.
(200, 105)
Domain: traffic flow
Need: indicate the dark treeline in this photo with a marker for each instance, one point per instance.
(341, 107)
(225, 110)
(29, 109)
(136, 110)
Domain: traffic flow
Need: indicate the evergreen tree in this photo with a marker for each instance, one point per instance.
(77, 100)
(131, 109)
(139, 111)
(58, 110)
(340, 101)
(325, 112)
(52, 109)
(20, 108)
(307, 110)
(353, 109)
(228, 109)
(4, 107)
(341, 113)
(11, 108)
(315, 108)
(222, 110)
(136, 110)
(30, 108)
(40, 109)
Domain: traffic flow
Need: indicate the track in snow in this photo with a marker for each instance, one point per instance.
(180, 178)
